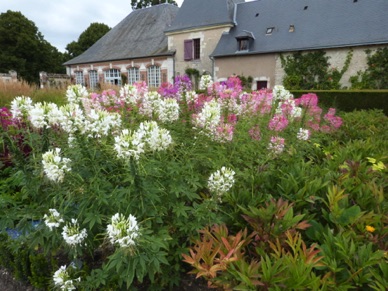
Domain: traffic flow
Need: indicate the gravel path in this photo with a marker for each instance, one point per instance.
(8, 283)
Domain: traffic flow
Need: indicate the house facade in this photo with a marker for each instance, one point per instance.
(265, 29)
(134, 50)
(196, 31)
(232, 37)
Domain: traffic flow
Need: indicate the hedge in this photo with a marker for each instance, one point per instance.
(350, 100)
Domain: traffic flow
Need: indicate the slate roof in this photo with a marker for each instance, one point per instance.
(202, 13)
(318, 24)
(140, 34)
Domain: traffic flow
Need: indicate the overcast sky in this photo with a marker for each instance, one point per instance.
(62, 21)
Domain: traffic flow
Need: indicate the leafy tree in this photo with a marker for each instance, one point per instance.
(376, 75)
(86, 39)
(24, 49)
(138, 4)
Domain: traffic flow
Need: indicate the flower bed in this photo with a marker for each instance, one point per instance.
(249, 191)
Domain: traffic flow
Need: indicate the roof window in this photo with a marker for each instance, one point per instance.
(270, 30)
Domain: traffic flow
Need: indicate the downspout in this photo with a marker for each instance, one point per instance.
(213, 70)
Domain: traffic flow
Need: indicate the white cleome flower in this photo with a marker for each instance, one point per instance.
(100, 122)
(210, 116)
(303, 134)
(129, 94)
(72, 234)
(20, 106)
(168, 110)
(128, 145)
(53, 220)
(123, 231)
(63, 281)
(221, 181)
(280, 93)
(147, 138)
(75, 93)
(155, 138)
(54, 166)
(205, 82)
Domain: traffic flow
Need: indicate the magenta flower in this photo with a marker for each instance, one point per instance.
(278, 123)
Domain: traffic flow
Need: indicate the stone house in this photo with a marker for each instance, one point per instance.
(267, 28)
(135, 49)
(226, 37)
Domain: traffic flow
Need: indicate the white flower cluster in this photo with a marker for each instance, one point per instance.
(289, 108)
(53, 220)
(20, 106)
(75, 93)
(168, 110)
(191, 97)
(100, 122)
(276, 145)
(210, 116)
(221, 181)
(72, 234)
(54, 166)
(45, 115)
(128, 145)
(280, 93)
(155, 138)
(123, 231)
(150, 103)
(129, 94)
(147, 138)
(73, 118)
(205, 82)
(62, 279)
(303, 134)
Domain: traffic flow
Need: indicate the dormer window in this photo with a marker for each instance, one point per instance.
(244, 40)
(243, 44)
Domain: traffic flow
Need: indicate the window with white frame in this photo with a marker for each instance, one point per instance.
(93, 79)
(113, 77)
(133, 75)
(79, 77)
(153, 73)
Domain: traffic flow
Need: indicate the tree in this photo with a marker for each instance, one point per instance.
(138, 4)
(24, 49)
(86, 39)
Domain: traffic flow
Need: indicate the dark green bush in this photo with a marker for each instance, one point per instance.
(348, 101)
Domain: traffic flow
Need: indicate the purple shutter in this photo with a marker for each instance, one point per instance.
(188, 49)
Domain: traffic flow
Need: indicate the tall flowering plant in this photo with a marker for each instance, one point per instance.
(114, 159)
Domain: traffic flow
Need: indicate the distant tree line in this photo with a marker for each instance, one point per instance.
(24, 49)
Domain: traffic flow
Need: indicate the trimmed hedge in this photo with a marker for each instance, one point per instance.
(350, 100)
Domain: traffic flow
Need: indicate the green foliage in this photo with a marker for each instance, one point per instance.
(375, 76)
(350, 100)
(86, 39)
(24, 49)
(298, 220)
(311, 71)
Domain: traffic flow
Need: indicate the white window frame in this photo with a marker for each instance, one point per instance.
(113, 76)
(154, 74)
(93, 79)
(133, 75)
(79, 78)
